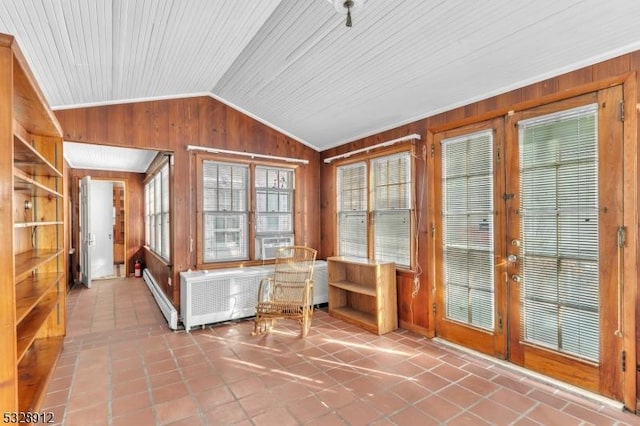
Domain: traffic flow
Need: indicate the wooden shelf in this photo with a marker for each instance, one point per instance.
(30, 224)
(30, 292)
(360, 261)
(363, 292)
(30, 161)
(24, 183)
(355, 287)
(30, 260)
(353, 316)
(28, 329)
(35, 371)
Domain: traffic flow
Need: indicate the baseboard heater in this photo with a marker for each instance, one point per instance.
(165, 305)
(208, 297)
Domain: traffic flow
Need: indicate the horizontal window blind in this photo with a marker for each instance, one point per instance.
(392, 205)
(392, 182)
(392, 236)
(468, 228)
(559, 231)
(274, 200)
(352, 234)
(352, 210)
(225, 211)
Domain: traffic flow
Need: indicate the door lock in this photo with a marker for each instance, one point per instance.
(516, 278)
(512, 258)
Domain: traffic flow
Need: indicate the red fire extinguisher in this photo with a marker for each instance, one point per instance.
(137, 268)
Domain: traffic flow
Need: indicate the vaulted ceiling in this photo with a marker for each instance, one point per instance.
(294, 65)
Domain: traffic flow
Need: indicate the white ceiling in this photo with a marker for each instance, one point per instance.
(101, 157)
(294, 65)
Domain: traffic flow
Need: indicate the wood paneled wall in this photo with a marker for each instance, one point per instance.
(414, 309)
(172, 125)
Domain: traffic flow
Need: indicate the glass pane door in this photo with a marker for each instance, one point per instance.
(564, 170)
(559, 231)
(470, 296)
(467, 226)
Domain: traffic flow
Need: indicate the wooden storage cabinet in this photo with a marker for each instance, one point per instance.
(363, 292)
(32, 236)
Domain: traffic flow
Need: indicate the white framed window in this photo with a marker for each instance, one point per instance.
(352, 210)
(243, 202)
(392, 203)
(157, 223)
(375, 208)
(225, 211)
(274, 200)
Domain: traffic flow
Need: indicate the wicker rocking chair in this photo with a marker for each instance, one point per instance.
(288, 293)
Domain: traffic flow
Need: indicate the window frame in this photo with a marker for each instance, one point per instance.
(238, 196)
(252, 211)
(157, 223)
(288, 193)
(368, 159)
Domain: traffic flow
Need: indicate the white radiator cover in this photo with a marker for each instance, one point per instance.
(208, 297)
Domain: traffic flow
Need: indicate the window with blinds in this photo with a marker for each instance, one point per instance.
(392, 208)
(157, 213)
(559, 231)
(468, 228)
(352, 210)
(224, 211)
(274, 200)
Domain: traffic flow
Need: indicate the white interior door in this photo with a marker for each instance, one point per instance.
(85, 234)
(101, 212)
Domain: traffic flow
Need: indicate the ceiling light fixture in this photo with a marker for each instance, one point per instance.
(347, 6)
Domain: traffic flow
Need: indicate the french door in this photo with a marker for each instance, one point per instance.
(528, 259)
(471, 290)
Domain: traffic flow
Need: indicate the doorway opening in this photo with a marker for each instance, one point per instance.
(102, 229)
(117, 175)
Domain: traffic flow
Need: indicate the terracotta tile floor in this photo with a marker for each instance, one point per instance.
(121, 365)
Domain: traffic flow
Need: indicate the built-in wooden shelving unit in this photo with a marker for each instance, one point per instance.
(32, 236)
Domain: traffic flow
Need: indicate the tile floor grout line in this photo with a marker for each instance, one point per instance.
(537, 377)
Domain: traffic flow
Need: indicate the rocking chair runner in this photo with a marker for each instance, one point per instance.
(288, 293)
